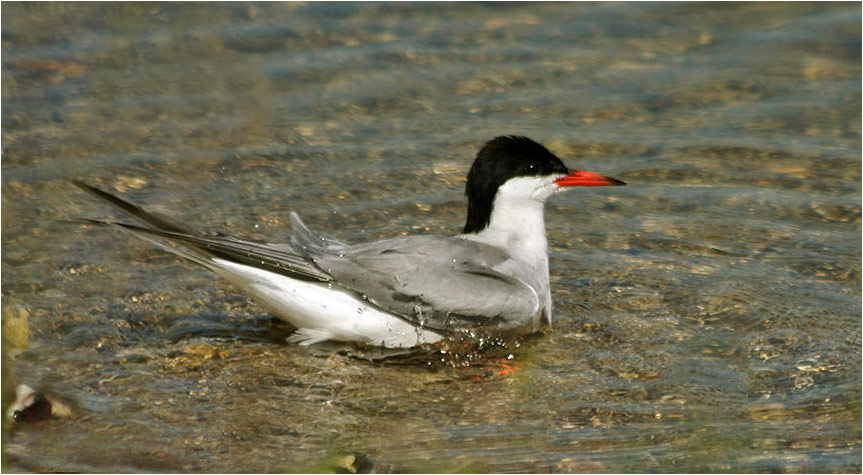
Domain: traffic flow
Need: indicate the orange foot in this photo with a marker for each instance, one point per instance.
(495, 367)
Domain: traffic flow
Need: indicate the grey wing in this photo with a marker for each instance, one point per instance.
(442, 283)
(278, 258)
(304, 239)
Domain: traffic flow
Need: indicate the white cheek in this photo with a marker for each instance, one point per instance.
(547, 189)
(521, 189)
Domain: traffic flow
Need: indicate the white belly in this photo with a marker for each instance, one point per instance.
(321, 313)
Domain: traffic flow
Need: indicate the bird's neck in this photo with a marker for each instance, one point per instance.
(517, 226)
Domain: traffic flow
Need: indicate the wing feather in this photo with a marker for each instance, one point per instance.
(439, 282)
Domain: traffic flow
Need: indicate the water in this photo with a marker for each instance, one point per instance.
(707, 316)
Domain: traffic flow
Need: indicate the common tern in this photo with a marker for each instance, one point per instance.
(404, 291)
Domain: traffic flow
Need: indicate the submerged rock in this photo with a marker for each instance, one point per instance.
(355, 462)
(32, 406)
(16, 327)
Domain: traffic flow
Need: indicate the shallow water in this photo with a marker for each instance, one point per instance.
(708, 316)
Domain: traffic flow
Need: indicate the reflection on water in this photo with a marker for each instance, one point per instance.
(707, 315)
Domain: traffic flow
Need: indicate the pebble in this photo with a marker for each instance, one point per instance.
(16, 327)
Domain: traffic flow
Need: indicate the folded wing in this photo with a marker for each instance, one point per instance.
(443, 283)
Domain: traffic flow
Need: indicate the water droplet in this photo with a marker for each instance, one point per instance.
(359, 310)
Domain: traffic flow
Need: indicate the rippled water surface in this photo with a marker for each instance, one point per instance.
(708, 316)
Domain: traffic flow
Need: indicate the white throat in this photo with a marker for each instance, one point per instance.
(517, 221)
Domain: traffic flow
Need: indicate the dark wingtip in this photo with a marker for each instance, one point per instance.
(95, 191)
(82, 185)
(133, 210)
(94, 222)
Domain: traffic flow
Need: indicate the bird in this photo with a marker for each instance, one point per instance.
(491, 279)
